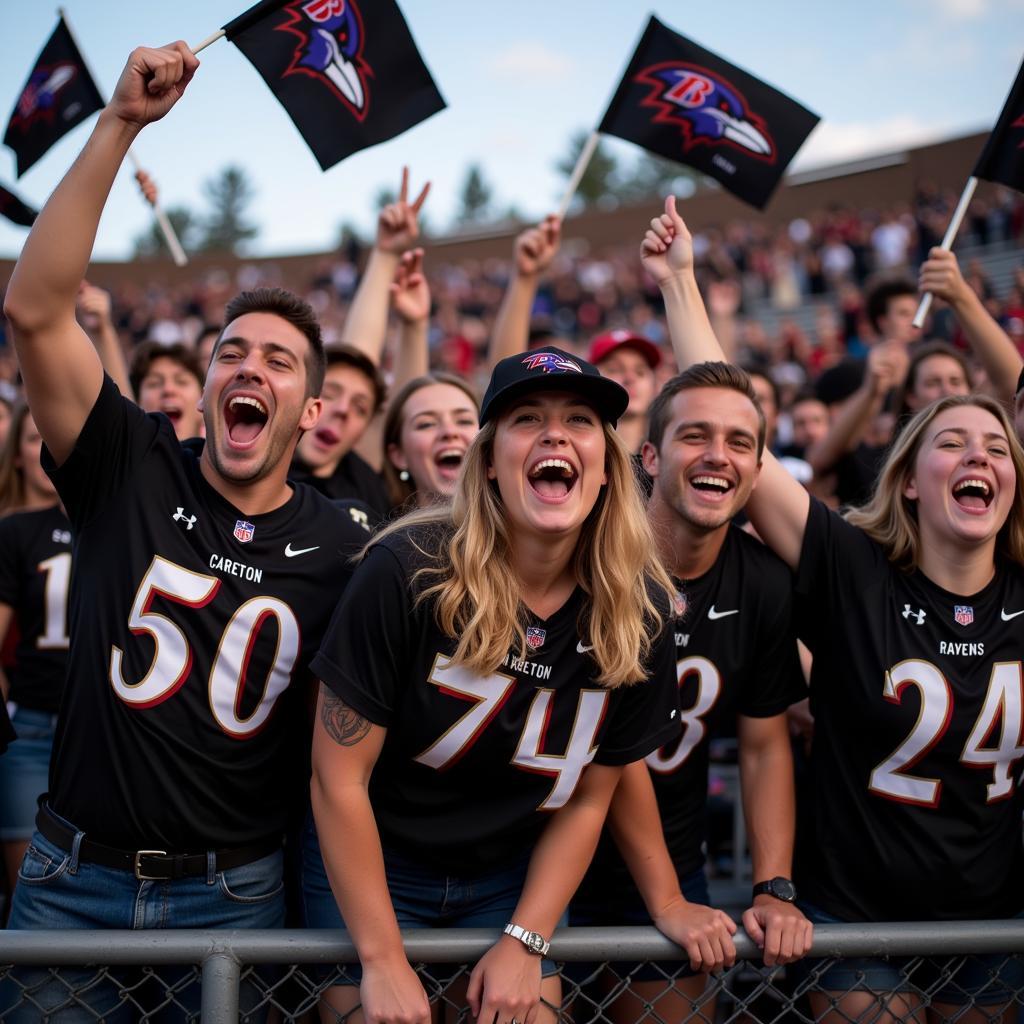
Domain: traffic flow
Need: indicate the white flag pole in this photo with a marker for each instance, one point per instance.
(166, 228)
(582, 161)
(209, 41)
(947, 242)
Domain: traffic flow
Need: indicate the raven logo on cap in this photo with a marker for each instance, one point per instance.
(549, 362)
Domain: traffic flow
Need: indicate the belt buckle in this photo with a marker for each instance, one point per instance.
(137, 868)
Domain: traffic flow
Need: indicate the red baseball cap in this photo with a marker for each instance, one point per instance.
(605, 344)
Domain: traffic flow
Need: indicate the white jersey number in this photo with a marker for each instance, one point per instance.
(488, 694)
(55, 600)
(893, 779)
(172, 659)
(709, 687)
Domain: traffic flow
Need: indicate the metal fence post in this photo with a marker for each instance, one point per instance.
(221, 972)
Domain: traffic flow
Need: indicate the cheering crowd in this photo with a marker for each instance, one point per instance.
(491, 631)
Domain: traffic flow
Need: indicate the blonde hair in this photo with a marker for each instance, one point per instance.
(477, 590)
(890, 518)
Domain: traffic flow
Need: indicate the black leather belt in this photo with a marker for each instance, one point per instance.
(151, 865)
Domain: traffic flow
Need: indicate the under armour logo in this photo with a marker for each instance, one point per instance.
(917, 616)
(180, 516)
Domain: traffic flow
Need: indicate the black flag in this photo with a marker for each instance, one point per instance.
(1002, 159)
(347, 71)
(15, 210)
(688, 104)
(58, 95)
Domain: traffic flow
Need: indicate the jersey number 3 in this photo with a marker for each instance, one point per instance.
(172, 659)
(1001, 710)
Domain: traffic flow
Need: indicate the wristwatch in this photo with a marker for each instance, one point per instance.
(781, 888)
(533, 941)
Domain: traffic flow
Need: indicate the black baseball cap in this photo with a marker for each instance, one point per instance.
(1020, 383)
(551, 369)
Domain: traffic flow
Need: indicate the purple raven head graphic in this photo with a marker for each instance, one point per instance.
(709, 109)
(39, 97)
(331, 49)
(548, 362)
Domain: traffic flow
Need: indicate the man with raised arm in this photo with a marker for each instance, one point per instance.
(202, 585)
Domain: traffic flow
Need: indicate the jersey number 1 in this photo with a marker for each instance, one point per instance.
(172, 659)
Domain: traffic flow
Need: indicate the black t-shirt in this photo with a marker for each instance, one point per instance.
(916, 694)
(471, 765)
(736, 654)
(354, 478)
(35, 574)
(189, 621)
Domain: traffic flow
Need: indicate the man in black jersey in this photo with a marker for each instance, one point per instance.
(736, 656)
(202, 585)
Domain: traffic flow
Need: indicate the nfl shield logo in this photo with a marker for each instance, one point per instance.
(244, 531)
(679, 604)
(535, 637)
(964, 614)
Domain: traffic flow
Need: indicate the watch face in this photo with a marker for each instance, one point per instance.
(783, 889)
(534, 941)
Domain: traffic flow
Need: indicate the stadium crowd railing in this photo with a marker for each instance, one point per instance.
(222, 976)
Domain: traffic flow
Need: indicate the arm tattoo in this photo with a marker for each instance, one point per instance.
(345, 726)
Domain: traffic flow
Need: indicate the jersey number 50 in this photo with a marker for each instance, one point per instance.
(172, 659)
(1001, 707)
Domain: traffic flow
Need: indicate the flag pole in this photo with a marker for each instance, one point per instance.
(947, 242)
(166, 228)
(582, 161)
(209, 40)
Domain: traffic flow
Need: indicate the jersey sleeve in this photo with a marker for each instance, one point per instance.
(366, 651)
(11, 551)
(115, 436)
(838, 562)
(777, 681)
(644, 716)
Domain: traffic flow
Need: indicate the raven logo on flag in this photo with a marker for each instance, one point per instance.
(708, 108)
(688, 104)
(58, 95)
(324, 80)
(331, 49)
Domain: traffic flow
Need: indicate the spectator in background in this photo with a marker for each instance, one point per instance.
(168, 379)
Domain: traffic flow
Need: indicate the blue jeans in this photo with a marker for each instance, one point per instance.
(981, 979)
(24, 771)
(58, 891)
(422, 897)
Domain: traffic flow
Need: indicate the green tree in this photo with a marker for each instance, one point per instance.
(599, 179)
(229, 194)
(475, 197)
(150, 244)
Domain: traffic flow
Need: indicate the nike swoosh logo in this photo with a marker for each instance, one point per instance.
(580, 649)
(1012, 615)
(291, 552)
(712, 614)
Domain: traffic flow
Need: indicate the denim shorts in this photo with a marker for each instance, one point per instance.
(422, 896)
(24, 772)
(618, 912)
(58, 891)
(982, 979)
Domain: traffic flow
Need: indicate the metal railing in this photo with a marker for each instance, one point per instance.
(225, 976)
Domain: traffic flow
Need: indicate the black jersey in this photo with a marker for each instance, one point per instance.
(35, 574)
(916, 695)
(736, 653)
(471, 764)
(353, 478)
(188, 621)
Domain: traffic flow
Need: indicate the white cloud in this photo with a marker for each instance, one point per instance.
(962, 10)
(530, 60)
(833, 141)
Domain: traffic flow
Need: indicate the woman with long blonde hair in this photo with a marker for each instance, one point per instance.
(493, 666)
(913, 607)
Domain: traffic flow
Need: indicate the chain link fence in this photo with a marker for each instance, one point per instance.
(964, 972)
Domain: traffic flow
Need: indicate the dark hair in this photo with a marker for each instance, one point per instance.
(917, 357)
(878, 298)
(400, 491)
(145, 354)
(297, 312)
(753, 371)
(348, 355)
(703, 375)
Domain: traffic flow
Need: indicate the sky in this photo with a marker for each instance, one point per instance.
(519, 80)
